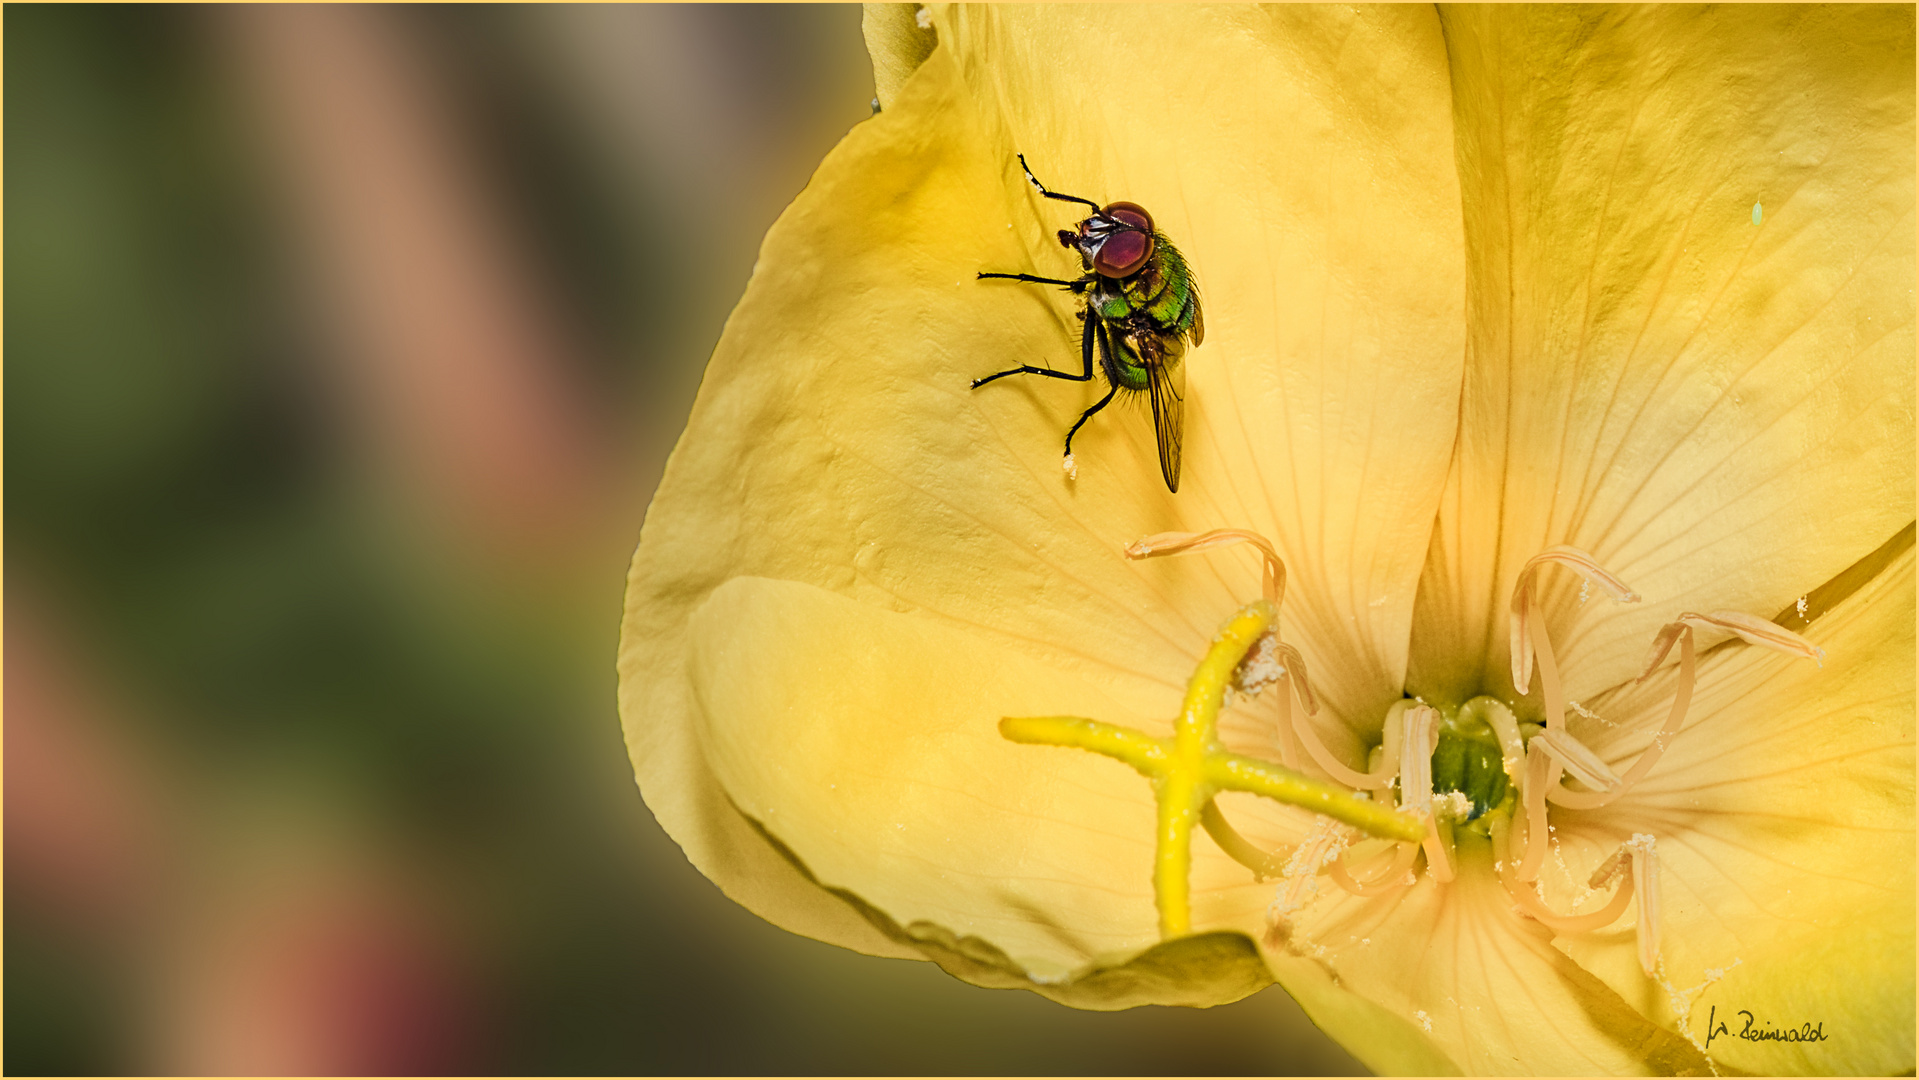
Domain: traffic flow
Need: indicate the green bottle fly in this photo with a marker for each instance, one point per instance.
(1141, 312)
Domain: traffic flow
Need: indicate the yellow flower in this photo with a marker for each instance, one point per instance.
(1628, 287)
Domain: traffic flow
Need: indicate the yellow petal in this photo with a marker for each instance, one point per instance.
(1720, 411)
(1784, 817)
(897, 43)
(1306, 172)
(1483, 985)
(1386, 1042)
(867, 743)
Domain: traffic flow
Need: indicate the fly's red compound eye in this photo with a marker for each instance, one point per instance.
(1132, 214)
(1123, 253)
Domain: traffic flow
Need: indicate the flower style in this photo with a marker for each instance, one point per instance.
(1496, 341)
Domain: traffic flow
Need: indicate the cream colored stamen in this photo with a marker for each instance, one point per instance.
(1530, 902)
(1395, 877)
(1579, 760)
(1308, 738)
(1555, 748)
(1614, 866)
(1635, 866)
(1512, 750)
(1541, 773)
(1417, 742)
(1309, 860)
(1645, 873)
(1286, 729)
(1283, 733)
(1526, 632)
(1382, 775)
(1409, 727)
(1185, 543)
(1750, 628)
(1680, 632)
(1295, 666)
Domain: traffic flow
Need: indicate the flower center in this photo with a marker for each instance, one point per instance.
(1476, 767)
(1468, 760)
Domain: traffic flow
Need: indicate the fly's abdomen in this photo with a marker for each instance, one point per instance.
(1124, 366)
(1135, 351)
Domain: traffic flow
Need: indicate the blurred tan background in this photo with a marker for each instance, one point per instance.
(344, 347)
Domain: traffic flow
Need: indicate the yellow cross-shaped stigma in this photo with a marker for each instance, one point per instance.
(1190, 768)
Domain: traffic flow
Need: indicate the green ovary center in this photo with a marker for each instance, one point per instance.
(1468, 759)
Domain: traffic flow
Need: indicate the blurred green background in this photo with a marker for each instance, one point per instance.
(344, 347)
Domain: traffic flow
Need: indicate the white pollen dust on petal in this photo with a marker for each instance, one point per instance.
(1588, 713)
(1682, 1002)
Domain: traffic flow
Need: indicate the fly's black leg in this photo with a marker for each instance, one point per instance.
(1099, 330)
(1078, 286)
(1034, 180)
(1106, 344)
(1025, 369)
(1085, 375)
(1086, 335)
(1085, 416)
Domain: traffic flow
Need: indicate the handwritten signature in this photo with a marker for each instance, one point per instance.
(1764, 1032)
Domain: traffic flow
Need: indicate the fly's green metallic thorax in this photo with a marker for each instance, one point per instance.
(1150, 315)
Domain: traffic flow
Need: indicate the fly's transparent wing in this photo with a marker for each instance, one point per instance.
(1167, 386)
